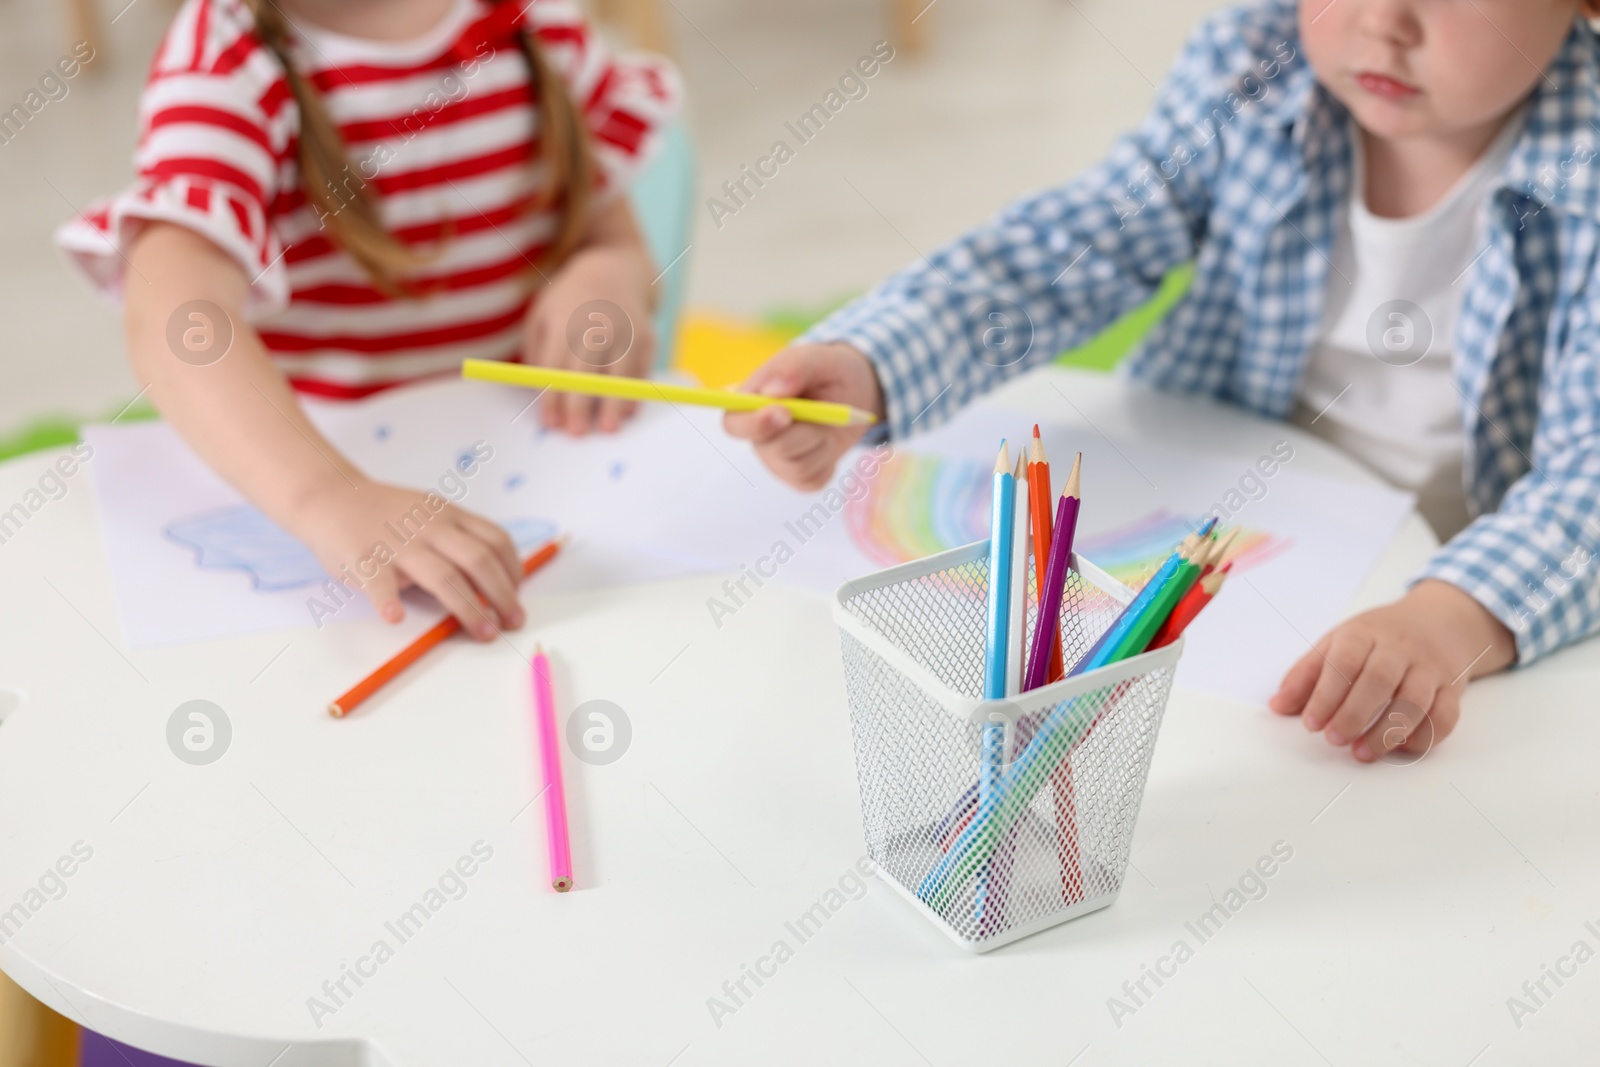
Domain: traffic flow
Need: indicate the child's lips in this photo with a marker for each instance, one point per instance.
(1385, 86)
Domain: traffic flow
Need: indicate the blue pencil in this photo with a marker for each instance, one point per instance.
(1002, 529)
(1100, 654)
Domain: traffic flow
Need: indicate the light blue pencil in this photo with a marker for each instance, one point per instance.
(1002, 528)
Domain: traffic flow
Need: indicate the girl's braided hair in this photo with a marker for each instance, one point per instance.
(352, 213)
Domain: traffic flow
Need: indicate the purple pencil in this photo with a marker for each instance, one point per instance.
(1055, 581)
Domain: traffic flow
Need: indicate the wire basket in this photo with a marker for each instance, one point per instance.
(1050, 842)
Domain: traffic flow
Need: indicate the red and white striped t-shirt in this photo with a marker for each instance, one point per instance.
(443, 128)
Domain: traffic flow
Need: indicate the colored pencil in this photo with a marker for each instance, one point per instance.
(1191, 605)
(1016, 631)
(1039, 494)
(441, 631)
(1061, 732)
(1219, 554)
(1044, 659)
(624, 388)
(1155, 613)
(1051, 746)
(997, 876)
(1002, 520)
(1101, 653)
(1002, 517)
(1053, 582)
(555, 792)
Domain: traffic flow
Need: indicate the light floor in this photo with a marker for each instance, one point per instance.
(1009, 95)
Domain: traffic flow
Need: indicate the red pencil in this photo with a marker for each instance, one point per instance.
(418, 648)
(1193, 602)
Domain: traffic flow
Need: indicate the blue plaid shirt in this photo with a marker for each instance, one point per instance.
(1242, 167)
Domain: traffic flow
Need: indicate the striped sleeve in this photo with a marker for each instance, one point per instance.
(213, 138)
(627, 101)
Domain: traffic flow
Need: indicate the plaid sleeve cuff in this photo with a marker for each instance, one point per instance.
(1543, 586)
(903, 343)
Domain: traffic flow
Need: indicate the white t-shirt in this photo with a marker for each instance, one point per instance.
(1379, 382)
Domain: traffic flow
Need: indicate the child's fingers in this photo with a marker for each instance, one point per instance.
(612, 412)
(1341, 666)
(440, 577)
(1402, 717)
(474, 558)
(497, 539)
(784, 374)
(1296, 686)
(1372, 690)
(1442, 717)
(802, 441)
(810, 472)
(761, 426)
(803, 457)
(551, 414)
(580, 413)
(383, 590)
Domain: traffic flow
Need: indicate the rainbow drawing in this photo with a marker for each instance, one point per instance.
(919, 505)
(1131, 553)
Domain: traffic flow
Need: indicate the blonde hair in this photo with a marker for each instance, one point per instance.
(352, 215)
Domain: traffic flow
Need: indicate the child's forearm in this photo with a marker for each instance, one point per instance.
(238, 411)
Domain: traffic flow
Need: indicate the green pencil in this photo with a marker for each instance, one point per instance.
(1145, 626)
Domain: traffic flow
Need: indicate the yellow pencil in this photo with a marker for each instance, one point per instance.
(611, 385)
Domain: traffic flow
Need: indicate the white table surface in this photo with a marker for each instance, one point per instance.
(220, 898)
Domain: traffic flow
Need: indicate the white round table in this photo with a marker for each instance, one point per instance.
(232, 913)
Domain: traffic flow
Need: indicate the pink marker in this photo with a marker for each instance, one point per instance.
(555, 794)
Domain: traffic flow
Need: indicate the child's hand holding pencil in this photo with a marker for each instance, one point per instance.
(804, 454)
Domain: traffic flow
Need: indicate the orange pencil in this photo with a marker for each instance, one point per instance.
(418, 648)
(1041, 500)
(1193, 602)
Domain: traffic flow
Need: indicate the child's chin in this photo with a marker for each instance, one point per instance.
(1396, 119)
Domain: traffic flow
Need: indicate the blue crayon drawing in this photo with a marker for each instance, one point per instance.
(241, 538)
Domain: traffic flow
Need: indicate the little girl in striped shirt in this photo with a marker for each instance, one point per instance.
(341, 197)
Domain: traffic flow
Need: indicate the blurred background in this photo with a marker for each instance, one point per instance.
(983, 100)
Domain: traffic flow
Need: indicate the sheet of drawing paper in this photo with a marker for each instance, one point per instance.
(1306, 542)
(191, 560)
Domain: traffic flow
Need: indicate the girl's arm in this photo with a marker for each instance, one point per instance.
(239, 413)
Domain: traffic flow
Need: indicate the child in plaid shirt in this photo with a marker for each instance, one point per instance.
(1394, 216)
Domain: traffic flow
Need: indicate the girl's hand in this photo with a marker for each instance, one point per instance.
(388, 538)
(803, 454)
(594, 316)
(1393, 677)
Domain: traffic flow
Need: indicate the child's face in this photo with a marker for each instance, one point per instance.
(1432, 68)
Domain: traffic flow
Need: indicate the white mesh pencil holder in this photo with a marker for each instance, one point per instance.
(1050, 841)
